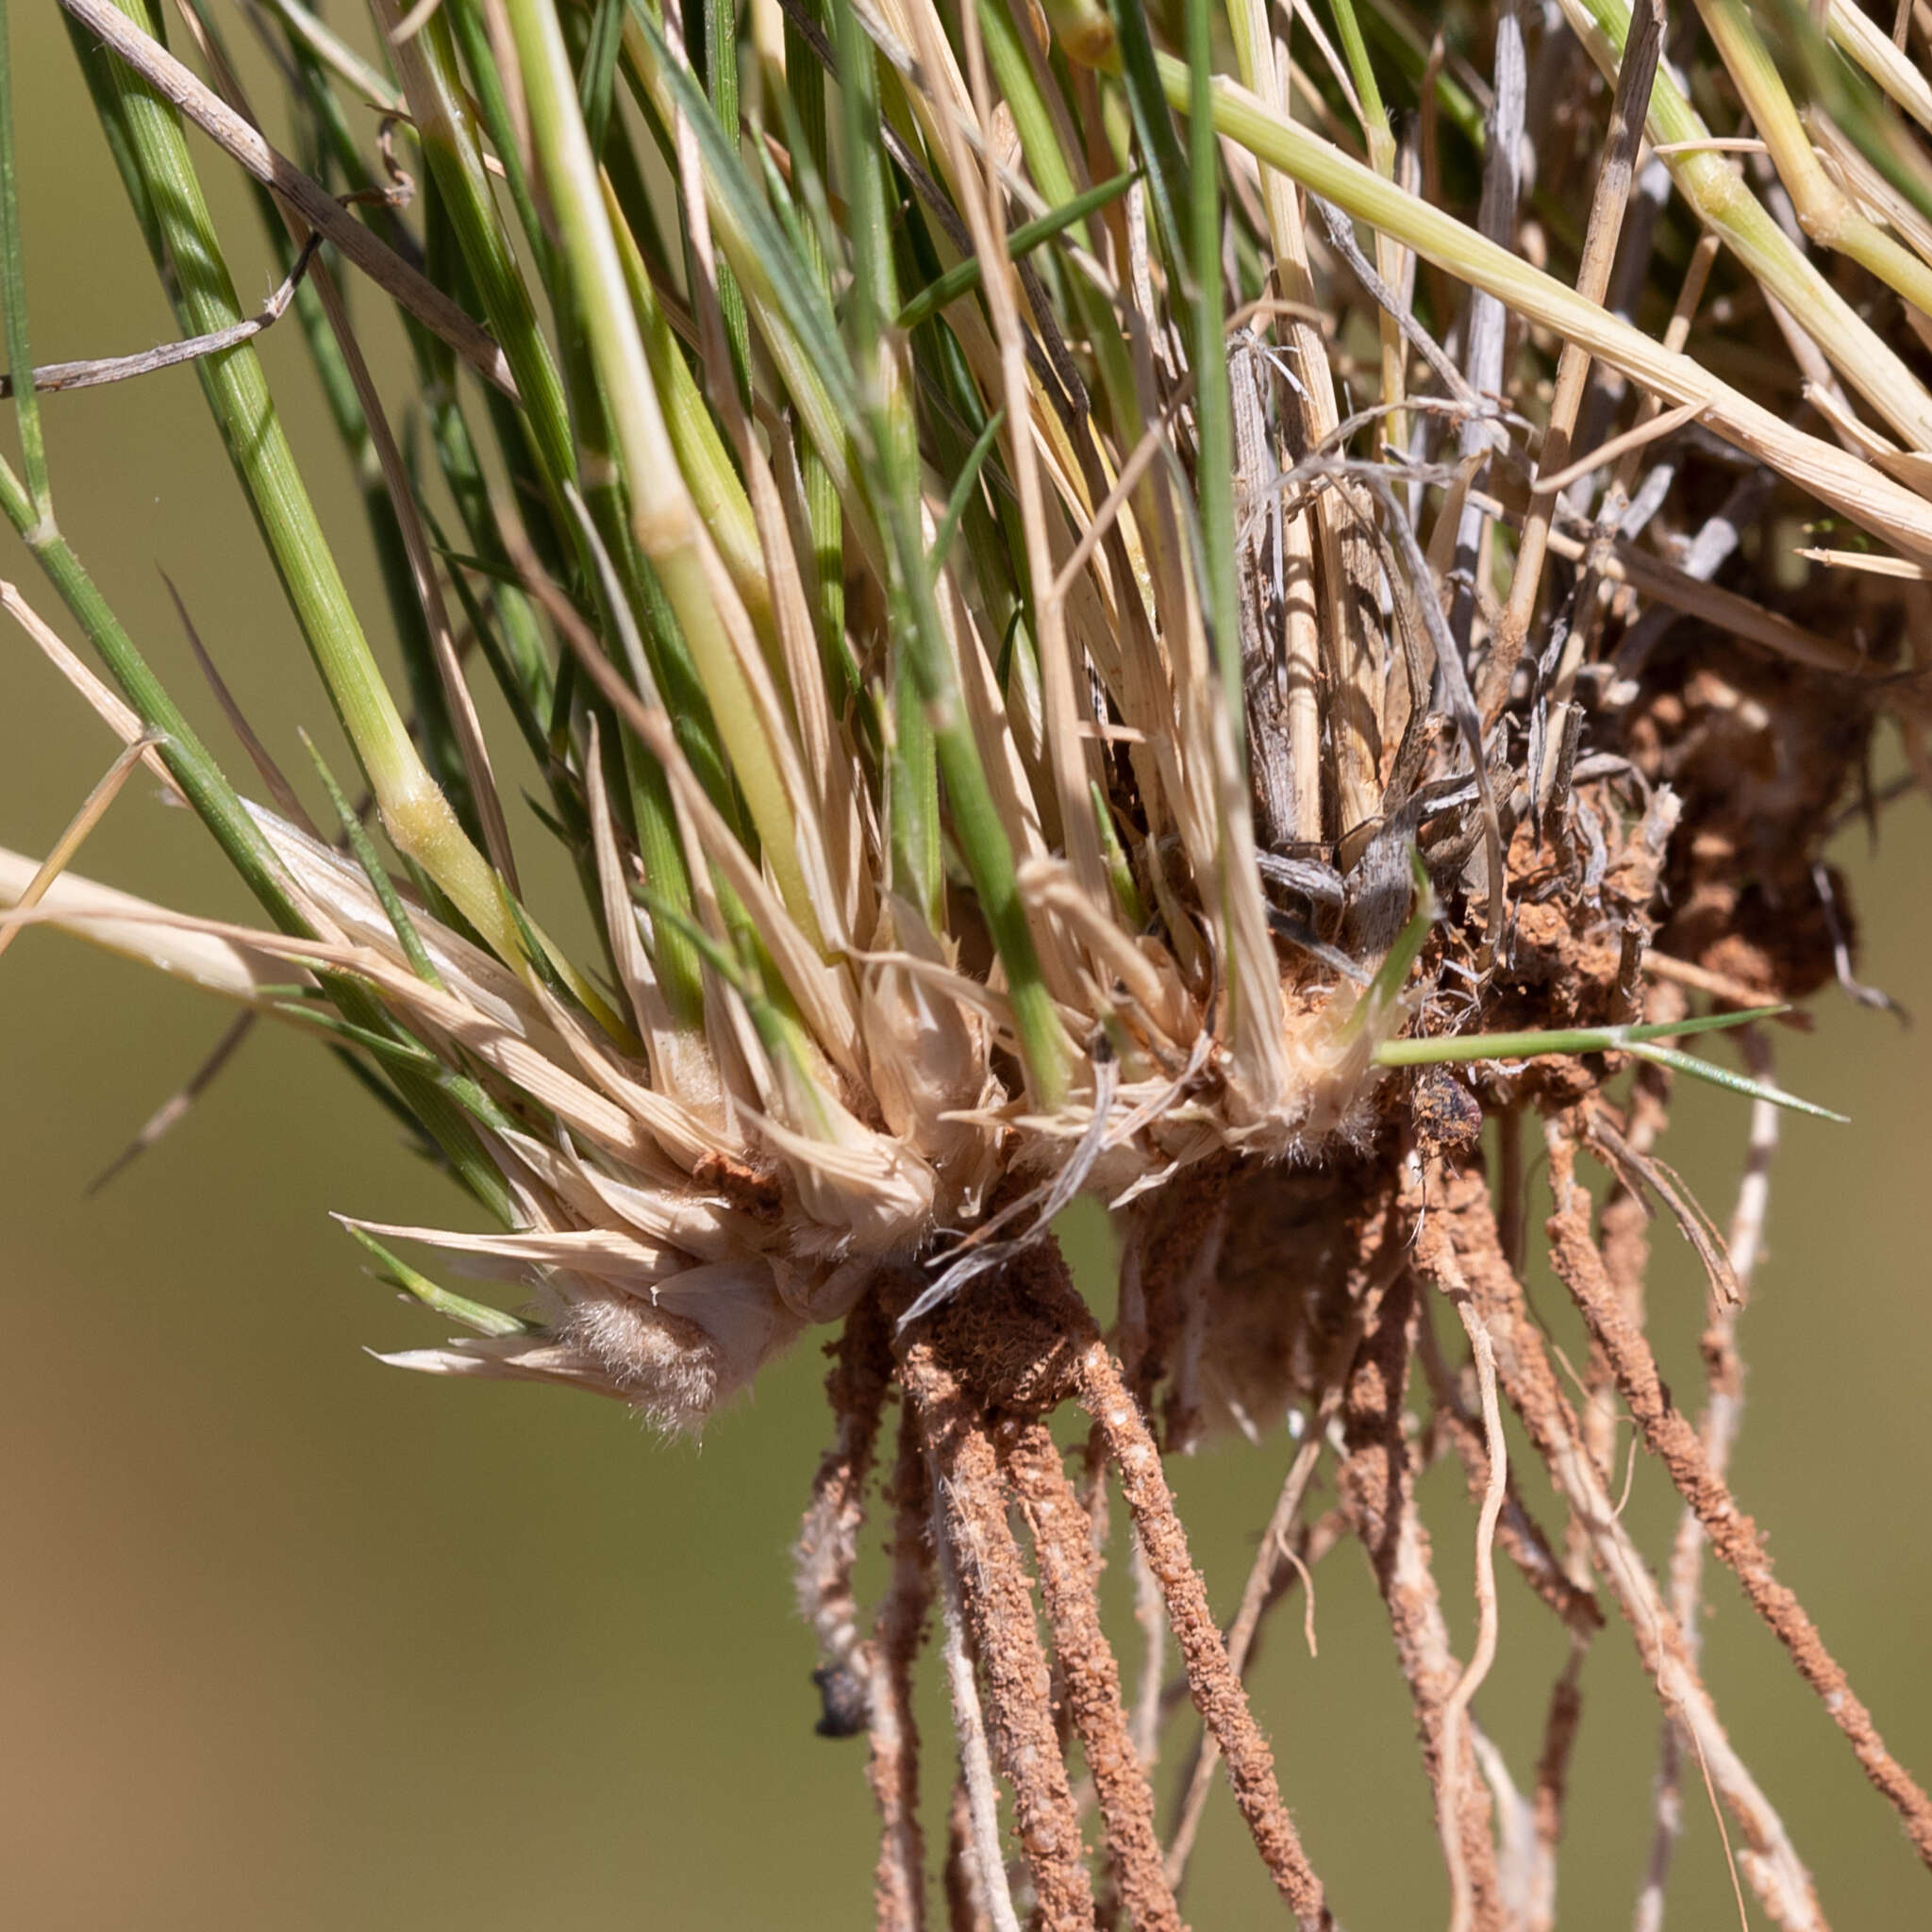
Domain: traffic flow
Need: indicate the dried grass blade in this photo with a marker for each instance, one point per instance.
(93, 808)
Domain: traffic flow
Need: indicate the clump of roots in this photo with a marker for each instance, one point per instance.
(1256, 1287)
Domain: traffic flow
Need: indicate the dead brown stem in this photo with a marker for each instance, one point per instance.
(53, 377)
(1607, 210)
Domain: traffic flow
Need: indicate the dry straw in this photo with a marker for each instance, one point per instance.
(1100, 600)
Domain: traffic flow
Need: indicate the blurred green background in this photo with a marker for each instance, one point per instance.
(290, 1640)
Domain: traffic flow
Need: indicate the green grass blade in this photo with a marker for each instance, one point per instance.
(1159, 149)
(1845, 92)
(363, 849)
(331, 143)
(976, 825)
(1734, 1083)
(201, 778)
(1467, 1048)
(167, 193)
(802, 304)
(720, 82)
(964, 277)
(26, 403)
(1385, 989)
(802, 107)
(1126, 894)
(1213, 401)
(397, 1272)
(1430, 1051)
(597, 82)
(426, 62)
(708, 471)
(962, 493)
(1408, 46)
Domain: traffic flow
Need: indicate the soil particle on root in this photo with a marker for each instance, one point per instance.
(1761, 753)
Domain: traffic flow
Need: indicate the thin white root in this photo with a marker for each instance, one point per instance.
(1722, 1413)
(1449, 1792)
(969, 1720)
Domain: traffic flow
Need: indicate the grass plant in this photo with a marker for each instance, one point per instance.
(1042, 560)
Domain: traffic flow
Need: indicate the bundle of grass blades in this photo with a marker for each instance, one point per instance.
(1180, 608)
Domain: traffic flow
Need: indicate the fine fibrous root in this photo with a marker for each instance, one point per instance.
(977, 1373)
(997, 1605)
(1216, 1689)
(1552, 1783)
(966, 1903)
(1723, 1376)
(1067, 1567)
(1734, 1537)
(899, 1878)
(1378, 1486)
(1455, 1708)
(1382, 1244)
(1459, 1242)
(828, 1539)
(1524, 1539)
(977, 1891)
(1100, 1387)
